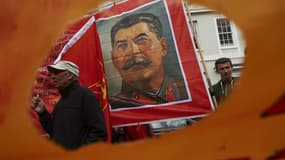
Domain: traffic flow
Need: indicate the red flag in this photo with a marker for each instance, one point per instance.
(276, 109)
(87, 54)
(280, 155)
(80, 45)
(43, 84)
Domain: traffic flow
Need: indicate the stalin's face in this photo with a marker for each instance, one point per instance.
(138, 53)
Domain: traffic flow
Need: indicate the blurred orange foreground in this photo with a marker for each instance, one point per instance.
(28, 29)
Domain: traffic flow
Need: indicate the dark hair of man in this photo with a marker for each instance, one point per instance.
(152, 21)
(221, 61)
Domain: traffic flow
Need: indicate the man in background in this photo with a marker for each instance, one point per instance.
(220, 90)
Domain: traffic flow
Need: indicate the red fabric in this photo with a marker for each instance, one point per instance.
(169, 93)
(277, 108)
(200, 103)
(43, 83)
(137, 132)
(86, 53)
(280, 155)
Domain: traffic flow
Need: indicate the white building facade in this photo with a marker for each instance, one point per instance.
(218, 37)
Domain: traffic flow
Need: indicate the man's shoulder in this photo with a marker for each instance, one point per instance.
(215, 88)
(84, 90)
(217, 84)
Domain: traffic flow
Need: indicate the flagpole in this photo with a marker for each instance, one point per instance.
(200, 51)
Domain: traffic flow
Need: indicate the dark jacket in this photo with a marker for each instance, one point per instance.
(77, 118)
(222, 89)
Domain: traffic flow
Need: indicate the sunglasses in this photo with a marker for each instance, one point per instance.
(56, 72)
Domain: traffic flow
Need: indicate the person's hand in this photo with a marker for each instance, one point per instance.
(38, 104)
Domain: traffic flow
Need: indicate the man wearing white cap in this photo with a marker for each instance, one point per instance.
(77, 118)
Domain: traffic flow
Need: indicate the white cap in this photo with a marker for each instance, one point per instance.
(65, 66)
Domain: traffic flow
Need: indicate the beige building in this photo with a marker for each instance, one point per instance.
(218, 37)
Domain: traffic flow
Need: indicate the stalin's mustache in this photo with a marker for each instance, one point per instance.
(136, 61)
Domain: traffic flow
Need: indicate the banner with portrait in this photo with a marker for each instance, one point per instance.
(152, 70)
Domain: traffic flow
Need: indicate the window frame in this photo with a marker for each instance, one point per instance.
(233, 34)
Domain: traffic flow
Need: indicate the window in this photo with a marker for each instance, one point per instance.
(237, 69)
(225, 32)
